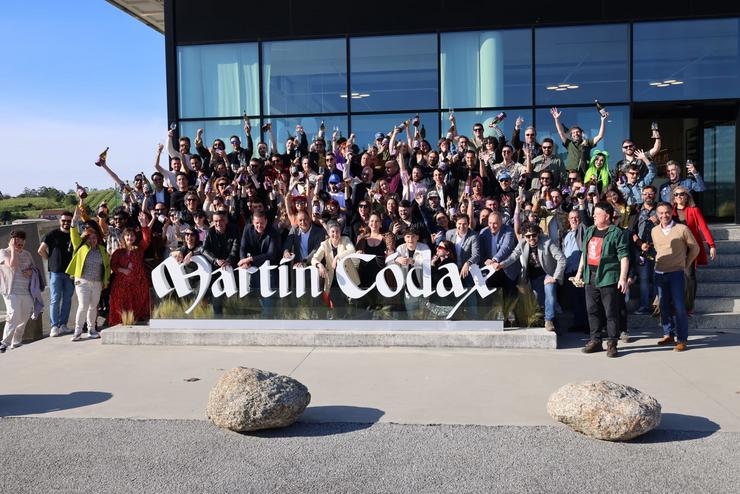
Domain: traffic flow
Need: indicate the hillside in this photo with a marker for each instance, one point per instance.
(31, 207)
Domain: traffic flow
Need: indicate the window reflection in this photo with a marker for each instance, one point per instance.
(285, 127)
(486, 68)
(580, 64)
(464, 121)
(218, 80)
(686, 60)
(304, 76)
(394, 72)
(218, 129)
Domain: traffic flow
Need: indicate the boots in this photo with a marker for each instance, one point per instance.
(611, 349)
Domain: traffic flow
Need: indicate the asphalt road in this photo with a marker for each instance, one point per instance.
(162, 456)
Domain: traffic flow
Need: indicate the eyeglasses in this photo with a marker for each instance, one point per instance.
(679, 194)
(530, 235)
(528, 135)
(572, 179)
(364, 206)
(235, 142)
(191, 199)
(628, 146)
(546, 147)
(478, 129)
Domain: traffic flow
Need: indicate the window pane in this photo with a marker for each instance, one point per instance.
(284, 127)
(304, 76)
(464, 120)
(394, 72)
(580, 64)
(686, 60)
(218, 80)
(617, 128)
(486, 69)
(218, 129)
(366, 126)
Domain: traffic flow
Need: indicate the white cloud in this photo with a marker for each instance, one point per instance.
(56, 153)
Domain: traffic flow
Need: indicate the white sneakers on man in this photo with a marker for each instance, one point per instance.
(55, 332)
(92, 334)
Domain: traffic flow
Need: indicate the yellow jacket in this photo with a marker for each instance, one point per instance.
(78, 259)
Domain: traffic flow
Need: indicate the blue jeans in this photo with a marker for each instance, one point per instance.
(61, 288)
(546, 295)
(673, 315)
(647, 285)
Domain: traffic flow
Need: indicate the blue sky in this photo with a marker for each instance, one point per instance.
(77, 76)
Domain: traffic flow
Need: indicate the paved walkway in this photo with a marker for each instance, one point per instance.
(699, 389)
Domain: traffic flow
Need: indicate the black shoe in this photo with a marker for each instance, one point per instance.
(611, 349)
(593, 346)
(3, 347)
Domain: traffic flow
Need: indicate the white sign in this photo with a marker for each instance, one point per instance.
(225, 284)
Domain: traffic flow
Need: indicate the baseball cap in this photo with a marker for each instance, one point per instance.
(334, 179)
(379, 135)
(504, 175)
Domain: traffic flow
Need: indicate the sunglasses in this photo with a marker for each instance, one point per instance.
(528, 135)
(679, 194)
(546, 147)
(364, 206)
(530, 235)
(235, 142)
(627, 147)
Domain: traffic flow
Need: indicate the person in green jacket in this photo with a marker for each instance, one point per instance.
(603, 269)
(90, 268)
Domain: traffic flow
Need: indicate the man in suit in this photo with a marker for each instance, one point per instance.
(303, 240)
(542, 264)
(496, 244)
(260, 244)
(221, 249)
(467, 249)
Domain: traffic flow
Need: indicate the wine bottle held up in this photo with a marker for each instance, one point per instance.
(601, 108)
(654, 129)
(81, 191)
(499, 118)
(416, 120)
(102, 157)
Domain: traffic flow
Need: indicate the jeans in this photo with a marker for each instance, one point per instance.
(546, 295)
(88, 296)
(647, 285)
(673, 315)
(61, 288)
(602, 304)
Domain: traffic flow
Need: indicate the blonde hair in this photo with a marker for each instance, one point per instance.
(689, 198)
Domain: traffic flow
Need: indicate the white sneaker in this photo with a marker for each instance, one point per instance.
(55, 332)
(63, 329)
(78, 335)
(15, 345)
(93, 334)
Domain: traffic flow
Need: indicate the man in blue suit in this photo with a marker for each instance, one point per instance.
(496, 244)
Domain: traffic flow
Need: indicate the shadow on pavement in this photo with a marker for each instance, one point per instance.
(11, 405)
(327, 421)
(647, 341)
(679, 427)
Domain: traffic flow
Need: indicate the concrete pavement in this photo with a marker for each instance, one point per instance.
(699, 389)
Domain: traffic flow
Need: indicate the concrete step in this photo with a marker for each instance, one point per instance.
(509, 338)
(706, 274)
(727, 246)
(725, 232)
(718, 289)
(726, 261)
(705, 305)
(698, 321)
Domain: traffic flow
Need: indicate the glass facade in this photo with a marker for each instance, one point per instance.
(371, 84)
(579, 64)
(686, 60)
(218, 80)
(394, 73)
(464, 121)
(486, 69)
(300, 77)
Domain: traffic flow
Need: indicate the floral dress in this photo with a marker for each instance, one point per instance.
(130, 291)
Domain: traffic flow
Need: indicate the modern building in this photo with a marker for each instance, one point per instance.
(364, 67)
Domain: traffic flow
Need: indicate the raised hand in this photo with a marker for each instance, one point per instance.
(555, 113)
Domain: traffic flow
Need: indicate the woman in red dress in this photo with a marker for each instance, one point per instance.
(685, 211)
(130, 287)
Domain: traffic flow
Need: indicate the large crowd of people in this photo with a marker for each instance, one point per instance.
(552, 219)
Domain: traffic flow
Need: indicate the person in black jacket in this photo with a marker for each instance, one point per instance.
(221, 248)
(260, 244)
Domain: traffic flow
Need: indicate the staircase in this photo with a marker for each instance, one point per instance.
(718, 295)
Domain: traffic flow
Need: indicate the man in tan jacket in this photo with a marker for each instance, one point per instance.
(675, 250)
